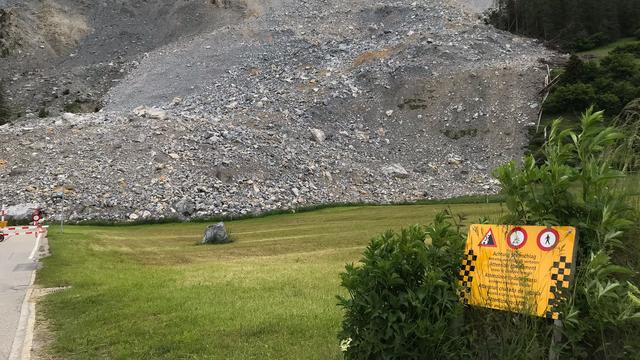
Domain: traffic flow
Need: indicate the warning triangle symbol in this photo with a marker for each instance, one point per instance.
(488, 239)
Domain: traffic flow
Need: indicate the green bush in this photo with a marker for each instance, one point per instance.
(403, 301)
(570, 98)
(608, 84)
(620, 66)
(591, 42)
(626, 91)
(631, 49)
(602, 314)
(577, 71)
(608, 102)
(629, 122)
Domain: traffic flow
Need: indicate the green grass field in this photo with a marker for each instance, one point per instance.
(599, 53)
(150, 292)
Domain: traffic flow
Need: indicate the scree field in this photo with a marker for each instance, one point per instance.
(150, 292)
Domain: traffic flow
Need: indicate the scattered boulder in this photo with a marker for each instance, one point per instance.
(216, 234)
(185, 207)
(68, 116)
(318, 135)
(395, 170)
(150, 113)
(454, 159)
(362, 135)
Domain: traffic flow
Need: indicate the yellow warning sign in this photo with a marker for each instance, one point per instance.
(525, 269)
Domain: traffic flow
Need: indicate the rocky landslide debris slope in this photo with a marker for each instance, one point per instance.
(302, 103)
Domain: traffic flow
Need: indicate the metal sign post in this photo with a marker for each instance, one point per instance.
(62, 214)
(3, 213)
(60, 196)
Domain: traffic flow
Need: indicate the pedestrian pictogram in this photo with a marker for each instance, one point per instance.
(489, 239)
(517, 237)
(548, 239)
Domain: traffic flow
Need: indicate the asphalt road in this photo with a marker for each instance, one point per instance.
(15, 277)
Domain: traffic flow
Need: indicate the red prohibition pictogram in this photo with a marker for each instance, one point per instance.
(548, 239)
(516, 238)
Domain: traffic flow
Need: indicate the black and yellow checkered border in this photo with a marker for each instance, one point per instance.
(561, 275)
(467, 269)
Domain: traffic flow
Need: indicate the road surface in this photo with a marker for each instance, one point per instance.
(16, 270)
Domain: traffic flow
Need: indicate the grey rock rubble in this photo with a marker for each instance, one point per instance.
(21, 212)
(306, 103)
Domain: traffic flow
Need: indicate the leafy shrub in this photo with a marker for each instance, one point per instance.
(608, 84)
(626, 91)
(620, 66)
(403, 301)
(577, 71)
(608, 102)
(572, 97)
(631, 49)
(629, 122)
(602, 315)
(592, 42)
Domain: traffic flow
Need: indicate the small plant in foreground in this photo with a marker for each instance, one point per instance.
(403, 300)
(579, 184)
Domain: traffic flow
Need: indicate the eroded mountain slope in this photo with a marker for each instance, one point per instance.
(404, 100)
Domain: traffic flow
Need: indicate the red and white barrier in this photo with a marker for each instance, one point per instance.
(23, 230)
(37, 227)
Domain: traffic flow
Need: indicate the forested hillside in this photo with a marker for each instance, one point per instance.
(570, 24)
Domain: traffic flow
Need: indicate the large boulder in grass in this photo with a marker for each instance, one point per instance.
(216, 234)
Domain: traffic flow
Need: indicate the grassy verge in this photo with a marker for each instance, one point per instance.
(149, 292)
(601, 52)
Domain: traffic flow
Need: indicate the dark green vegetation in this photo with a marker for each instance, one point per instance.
(149, 292)
(43, 112)
(571, 24)
(402, 300)
(609, 83)
(629, 123)
(5, 113)
(82, 106)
